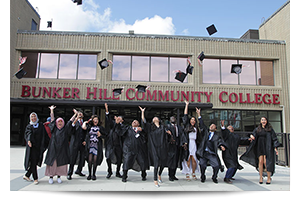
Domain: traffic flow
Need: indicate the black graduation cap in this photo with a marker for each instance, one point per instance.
(180, 76)
(19, 74)
(103, 63)
(79, 2)
(141, 88)
(236, 68)
(211, 29)
(49, 24)
(189, 69)
(201, 56)
(117, 91)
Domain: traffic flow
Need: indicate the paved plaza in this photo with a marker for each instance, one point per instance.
(246, 180)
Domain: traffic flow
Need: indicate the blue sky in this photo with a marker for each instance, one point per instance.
(232, 18)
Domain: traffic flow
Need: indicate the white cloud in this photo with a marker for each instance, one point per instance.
(185, 32)
(67, 16)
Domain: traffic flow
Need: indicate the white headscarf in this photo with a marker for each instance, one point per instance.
(37, 119)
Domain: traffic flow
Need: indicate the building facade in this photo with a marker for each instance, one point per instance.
(62, 69)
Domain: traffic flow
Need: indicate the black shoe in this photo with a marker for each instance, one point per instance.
(215, 180)
(171, 179)
(124, 180)
(144, 179)
(89, 177)
(203, 178)
(69, 177)
(118, 175)
(232, 179)
(79, 173)
(227, 180)
(94, 178)
(175, 178)
(109, 175)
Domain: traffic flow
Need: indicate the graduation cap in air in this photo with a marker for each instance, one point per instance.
(236, 68)
(142, 88)
(117, 91)
(104, 63)
(79, 2)
(19, 74)
(211, 29)
(180, 76)
(201, 56)
(49, 24)
(189, 69)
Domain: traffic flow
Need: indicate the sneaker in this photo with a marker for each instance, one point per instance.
(27, 178)
(35, 182)
(50, 180)
(59, 180)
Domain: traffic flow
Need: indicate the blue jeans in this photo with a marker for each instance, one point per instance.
(230, 172)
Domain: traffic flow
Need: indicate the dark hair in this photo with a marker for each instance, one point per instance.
(268, 126)
(91, 123)
(190, 128)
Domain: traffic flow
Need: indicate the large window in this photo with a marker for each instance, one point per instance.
(60, 65)
(218, 71)
(147, 68)
(242, 120)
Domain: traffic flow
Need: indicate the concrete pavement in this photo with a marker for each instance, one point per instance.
(246, 180)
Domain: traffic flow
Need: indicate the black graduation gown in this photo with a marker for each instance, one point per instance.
(135, 152)
(157, 144)
(113, 138)
(58, 148)
(230, 155)
(216, 140)
(271, 142)
(175, 148)
(185, 139)
(76, 140)
(39, 140)
(100, 144)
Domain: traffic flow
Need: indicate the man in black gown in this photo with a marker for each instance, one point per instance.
(77, 147)
(208, 149)
(113, 144)
(230, 155)
(174, 147)
(135, 153)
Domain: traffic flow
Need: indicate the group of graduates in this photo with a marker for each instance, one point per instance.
(140, 146)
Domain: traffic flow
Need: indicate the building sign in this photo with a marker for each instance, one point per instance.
(156, 95)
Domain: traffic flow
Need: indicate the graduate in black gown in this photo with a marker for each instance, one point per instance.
(113, 143)
(58, 154)
(261, 152)
(230, 155)
(36, 143)
(208, 149)
(135, 151)
(175, 147)
(95, 133)
(158, 138)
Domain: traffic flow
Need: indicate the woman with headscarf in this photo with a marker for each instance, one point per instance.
(57, 158)
(36, 143)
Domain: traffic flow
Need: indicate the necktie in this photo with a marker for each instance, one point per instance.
(80, 122)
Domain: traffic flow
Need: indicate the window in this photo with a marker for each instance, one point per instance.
(248, 75)
(140, 68)
(147, 68)
(67, 66)
(87, 66)
(34, 25)
(218, 71)
(159, 69)
(48, 65)
(211, 71)
(242, 120)
(227, 76)
(265, 74)
(60, 65)
(121, 68)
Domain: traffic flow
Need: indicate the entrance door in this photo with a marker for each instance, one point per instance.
(17, 130)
